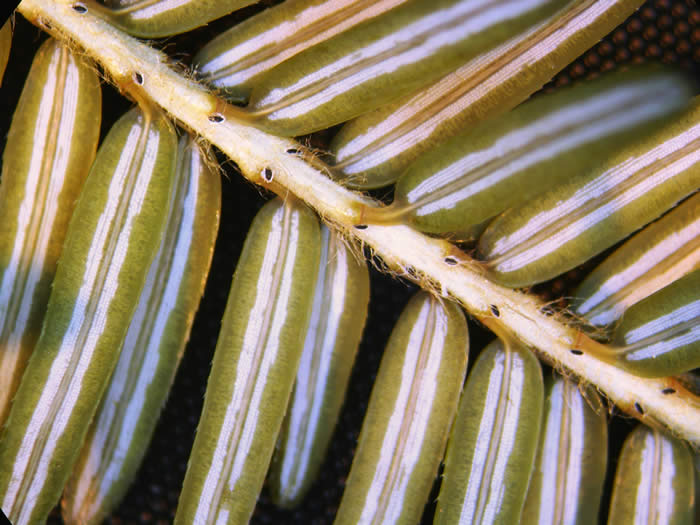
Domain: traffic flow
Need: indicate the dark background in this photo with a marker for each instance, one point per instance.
(662, 30)
(6, 9)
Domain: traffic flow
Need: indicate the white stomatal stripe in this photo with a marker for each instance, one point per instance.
(562, 455)
(687, 312)
(573, 462)
(153, 9)
(678, 328)
(655, 494)
(496, 439)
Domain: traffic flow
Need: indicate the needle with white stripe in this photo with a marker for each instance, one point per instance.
(109, 246)
(654, 481)
(654, 258)
(50, 146)
(235, 60)
(122, 428)
(333, 336)
(573, 222)
(494, 440)
(254, 367)
(414, 401)
(159, 18)
(572, 456)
